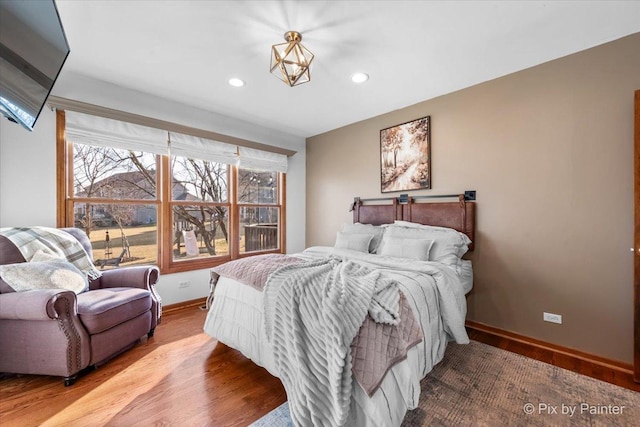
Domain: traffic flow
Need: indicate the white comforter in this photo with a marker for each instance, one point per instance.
(434, 292)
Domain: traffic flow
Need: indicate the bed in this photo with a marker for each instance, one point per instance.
(433, 282)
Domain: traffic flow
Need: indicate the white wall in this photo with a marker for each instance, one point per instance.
(28, 165)
(28, 172)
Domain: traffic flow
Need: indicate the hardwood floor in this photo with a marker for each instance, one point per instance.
(179, 377)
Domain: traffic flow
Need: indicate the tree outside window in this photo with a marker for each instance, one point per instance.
(117, 199)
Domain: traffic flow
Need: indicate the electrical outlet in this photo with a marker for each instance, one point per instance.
(551, 317)
(184, 284)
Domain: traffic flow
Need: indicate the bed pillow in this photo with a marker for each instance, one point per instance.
(54, 274)
(354, 242)
(410, 248)
(450, 233)
(375, 230)
(448, 246)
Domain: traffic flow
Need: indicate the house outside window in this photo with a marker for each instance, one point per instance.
(115, 202)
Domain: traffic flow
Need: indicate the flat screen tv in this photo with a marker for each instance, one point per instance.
(33, 48)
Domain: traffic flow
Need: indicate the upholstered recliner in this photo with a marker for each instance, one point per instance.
(58, 332)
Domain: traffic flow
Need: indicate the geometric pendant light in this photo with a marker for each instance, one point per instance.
(290, 61)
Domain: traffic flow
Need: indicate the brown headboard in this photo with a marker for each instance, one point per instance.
(460, 215)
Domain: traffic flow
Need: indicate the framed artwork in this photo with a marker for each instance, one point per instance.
(405, 156)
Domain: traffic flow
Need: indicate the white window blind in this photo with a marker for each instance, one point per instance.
(259, 160)
(95, 130)
(203, 149)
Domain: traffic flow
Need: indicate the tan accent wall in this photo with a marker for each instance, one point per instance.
(550, 152)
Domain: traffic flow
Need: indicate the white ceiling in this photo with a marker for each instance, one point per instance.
(413, 50)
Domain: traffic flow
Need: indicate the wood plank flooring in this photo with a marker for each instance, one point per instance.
(179, 377)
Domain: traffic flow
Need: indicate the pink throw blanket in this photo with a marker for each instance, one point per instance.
(254, 271)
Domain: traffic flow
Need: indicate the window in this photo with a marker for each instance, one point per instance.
(181, 212)
(200, 208)
(114, 200)
(259, 210)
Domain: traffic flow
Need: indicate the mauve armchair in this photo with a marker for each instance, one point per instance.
(56, 332)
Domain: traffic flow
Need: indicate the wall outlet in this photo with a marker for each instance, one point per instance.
(551, 317)
(184, 284)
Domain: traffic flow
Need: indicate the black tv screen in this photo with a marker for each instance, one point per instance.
(33, 48)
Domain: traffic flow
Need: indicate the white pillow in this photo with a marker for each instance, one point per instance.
(406, 247)
(448, 246)
(375, 230)
(355, 242)
(449, 232)
(55, 274)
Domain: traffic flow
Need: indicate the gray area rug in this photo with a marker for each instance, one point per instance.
(480, 385)
(279, 417)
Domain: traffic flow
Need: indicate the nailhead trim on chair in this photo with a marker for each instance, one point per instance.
(158, 301)
(67, 334)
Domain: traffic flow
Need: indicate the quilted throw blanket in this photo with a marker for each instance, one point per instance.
(254, 271)
(53, 241)
(312, 343)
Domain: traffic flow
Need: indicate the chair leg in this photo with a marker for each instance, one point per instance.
(69, 381)
(151, 332)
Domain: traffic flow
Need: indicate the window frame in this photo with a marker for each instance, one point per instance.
(66, 199)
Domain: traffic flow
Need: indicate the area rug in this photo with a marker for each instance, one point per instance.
(480, 385)
(279, 417)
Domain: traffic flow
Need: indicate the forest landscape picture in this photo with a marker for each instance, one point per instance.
(405, 156)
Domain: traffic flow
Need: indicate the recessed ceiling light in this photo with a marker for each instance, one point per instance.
(359, 77)
(236, 82)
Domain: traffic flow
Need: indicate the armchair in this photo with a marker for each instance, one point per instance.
(56, 332)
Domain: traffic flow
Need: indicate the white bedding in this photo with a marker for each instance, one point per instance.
(236, 319)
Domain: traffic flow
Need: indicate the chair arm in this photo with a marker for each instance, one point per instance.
(143, 277)
(42, 304)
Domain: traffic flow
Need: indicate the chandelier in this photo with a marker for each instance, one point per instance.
(290, 61)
